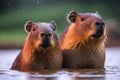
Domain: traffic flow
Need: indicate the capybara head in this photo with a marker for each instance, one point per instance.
(88, 25)
(41, 35)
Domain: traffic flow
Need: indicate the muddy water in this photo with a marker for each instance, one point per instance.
(111, 72)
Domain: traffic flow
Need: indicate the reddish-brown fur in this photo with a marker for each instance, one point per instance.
(80, 48)
(34, 57)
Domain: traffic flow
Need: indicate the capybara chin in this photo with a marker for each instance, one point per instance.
(83, 42)
(41, 49)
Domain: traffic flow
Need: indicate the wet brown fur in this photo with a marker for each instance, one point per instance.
(35, 58)
(80, 50)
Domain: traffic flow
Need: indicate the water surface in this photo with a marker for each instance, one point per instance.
(111, 72)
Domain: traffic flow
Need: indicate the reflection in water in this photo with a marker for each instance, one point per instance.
(59, 75)
(111, 72)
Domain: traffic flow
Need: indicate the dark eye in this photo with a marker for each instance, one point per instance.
(33, 29)
(82, 19)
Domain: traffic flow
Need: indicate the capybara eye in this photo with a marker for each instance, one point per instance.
(33, 29)
(82, 19)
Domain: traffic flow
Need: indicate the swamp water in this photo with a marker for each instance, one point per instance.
(111, 72)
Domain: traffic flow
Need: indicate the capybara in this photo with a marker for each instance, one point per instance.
(41, 49)
(83, 42)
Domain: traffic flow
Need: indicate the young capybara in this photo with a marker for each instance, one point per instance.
(41, 49)
(83, 42)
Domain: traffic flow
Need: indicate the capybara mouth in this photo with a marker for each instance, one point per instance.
(98, 34)
(45, 45)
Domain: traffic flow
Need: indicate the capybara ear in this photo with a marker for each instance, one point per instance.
(72, 16)
(53, 25)
(28, 26)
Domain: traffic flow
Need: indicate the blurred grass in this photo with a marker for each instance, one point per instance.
(12, 23)
(7, 37)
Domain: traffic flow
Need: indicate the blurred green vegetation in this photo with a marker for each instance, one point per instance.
(15, 13)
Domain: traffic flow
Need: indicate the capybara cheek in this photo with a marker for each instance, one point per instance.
(90, 33)
(38, 43)
(52, 42)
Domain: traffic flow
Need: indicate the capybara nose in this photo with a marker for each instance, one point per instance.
(100, 25)
(45, 40)
(99, 29)
(45, 36)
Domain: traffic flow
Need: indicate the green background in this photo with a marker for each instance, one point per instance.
(15, 13)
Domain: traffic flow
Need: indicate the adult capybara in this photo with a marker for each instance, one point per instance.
(83, 42)
(41, 49)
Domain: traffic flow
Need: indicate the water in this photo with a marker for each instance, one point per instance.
(111, 72)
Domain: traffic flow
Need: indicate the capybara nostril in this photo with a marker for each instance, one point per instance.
(43, 35)
(46, 36)
(49, 35)
(97, 23)
(102, 24)
(99, 29)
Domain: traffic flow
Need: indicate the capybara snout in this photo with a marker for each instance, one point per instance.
(46, 39)
(100, 27)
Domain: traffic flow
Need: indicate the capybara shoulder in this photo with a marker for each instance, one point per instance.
(41, 49)
(83, 41)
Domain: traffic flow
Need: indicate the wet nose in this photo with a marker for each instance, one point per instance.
(45, 36)
(99, 29)
(100, 26)
(45, 40)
